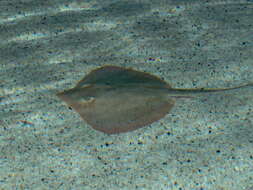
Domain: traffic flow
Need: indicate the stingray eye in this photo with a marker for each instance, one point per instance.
(86, 85)
(86, 100)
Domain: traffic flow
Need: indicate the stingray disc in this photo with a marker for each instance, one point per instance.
(113, 99)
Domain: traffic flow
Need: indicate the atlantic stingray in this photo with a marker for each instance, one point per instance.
(114, 99)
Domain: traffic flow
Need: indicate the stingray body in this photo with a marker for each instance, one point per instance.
(114, 99)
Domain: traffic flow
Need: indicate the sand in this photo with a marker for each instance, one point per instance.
(202, 144)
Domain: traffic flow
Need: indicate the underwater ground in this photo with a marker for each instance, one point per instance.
(204, 143)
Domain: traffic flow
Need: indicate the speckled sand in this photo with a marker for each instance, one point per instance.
(203, 144)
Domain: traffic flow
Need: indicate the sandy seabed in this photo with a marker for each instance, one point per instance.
(202, 144)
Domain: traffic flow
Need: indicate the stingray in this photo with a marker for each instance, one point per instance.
(114, 99)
